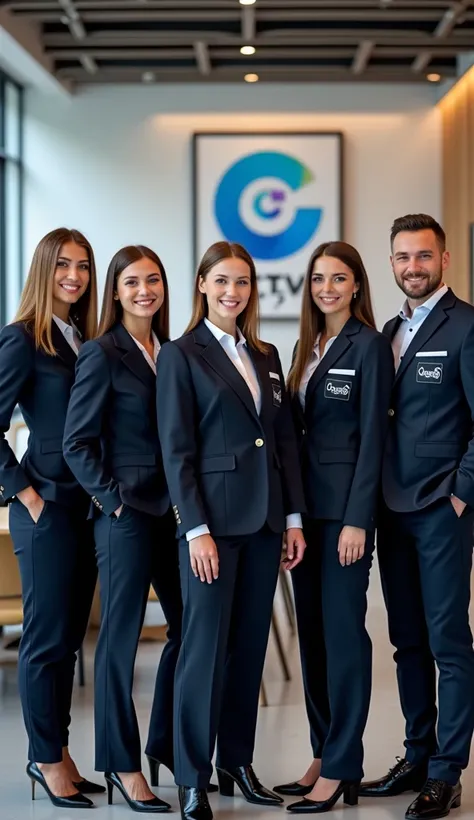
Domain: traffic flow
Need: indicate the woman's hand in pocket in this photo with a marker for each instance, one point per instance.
(32, 501)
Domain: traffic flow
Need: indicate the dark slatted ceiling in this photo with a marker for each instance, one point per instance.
(102, 41)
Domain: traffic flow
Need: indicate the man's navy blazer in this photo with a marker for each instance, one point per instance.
(226, 466)
(40, 384)
(111, 437)
(430, 447)
(343, 427)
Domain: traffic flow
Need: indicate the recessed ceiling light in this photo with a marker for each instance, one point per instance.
(251, 78)
(247, 2)
(433, 78)
(148, 76)
(247, 50)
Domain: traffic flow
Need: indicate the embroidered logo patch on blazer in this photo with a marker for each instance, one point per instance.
(429, 372)
(337, 389)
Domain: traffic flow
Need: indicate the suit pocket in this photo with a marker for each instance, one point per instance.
(51, 445)
(133, 460)
(217, 464)
(338, 456)
(438, 449)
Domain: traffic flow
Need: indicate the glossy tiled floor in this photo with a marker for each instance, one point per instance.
(282, 751)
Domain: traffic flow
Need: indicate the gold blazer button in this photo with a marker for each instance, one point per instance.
(259, 442)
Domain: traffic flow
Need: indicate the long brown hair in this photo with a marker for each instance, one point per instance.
(36, 303)
(312, 319)
(112, 310)
(248, 321)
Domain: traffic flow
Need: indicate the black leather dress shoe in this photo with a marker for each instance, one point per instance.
(403, 777)
(87, 787)
(293, 789)
(436, 799)
(249, 785)
(194, 804)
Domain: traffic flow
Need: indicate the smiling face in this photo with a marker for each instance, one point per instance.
(71, 277)
(418, 263)
(140, 289)
(227, 287)
(333, 286)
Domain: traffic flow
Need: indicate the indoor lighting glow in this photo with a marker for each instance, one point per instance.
(433, 78)
(247, 2)
(247, 50)
(251, 78)
(148, 77)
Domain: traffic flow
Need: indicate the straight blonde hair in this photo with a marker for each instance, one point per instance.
(248, 321)
(112, 310)
(312, 319)
(36, 303)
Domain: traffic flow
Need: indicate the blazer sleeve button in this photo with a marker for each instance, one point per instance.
(259, 442)
(391, 412)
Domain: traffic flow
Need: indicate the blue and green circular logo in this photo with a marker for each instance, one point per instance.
(256, 205)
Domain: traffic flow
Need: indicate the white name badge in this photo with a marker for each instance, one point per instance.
(336, 372)
(428, 353)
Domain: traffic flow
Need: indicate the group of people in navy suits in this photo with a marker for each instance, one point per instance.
(194, 465)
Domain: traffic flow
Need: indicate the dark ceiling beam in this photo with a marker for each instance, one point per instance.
(176, 5)
(290, 14)
(450, 18)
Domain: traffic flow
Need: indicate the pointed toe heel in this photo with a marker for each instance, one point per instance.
(73, 801)
(226, 783)
(152, 806)
(457, 803)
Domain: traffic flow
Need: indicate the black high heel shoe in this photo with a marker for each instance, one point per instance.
(349, 789)
(87, 787)
(155, 764)
(73, 801)
(294, 789)
(153, 805)
(249, 785)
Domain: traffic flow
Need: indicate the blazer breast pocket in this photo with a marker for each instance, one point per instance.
(430, 367)
(338, 388)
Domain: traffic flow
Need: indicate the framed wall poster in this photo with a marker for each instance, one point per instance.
(278, 194)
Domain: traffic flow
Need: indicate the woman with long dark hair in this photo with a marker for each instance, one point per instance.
(48, 509)
(230, 457)
(111, 445)
(340, 384)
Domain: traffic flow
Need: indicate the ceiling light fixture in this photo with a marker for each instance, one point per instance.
(148, 76)
(251, 78)
(433, 78)
(247, 50)
(247, 2)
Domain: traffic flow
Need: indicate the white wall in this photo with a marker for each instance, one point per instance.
(115, 162)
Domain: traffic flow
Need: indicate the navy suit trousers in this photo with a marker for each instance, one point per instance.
(425, 562)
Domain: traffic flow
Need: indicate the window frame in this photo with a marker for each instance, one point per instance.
(5, 159)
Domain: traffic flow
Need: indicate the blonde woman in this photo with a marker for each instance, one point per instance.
(230, 458)
(48, 508)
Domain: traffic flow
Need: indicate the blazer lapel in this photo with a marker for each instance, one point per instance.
(63, 348)
(391, 327)
(261, 364)
(338, 347)
(433, 321)
(218, 359)
(133, 358)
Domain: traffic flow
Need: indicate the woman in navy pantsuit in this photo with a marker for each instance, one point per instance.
(48, 511)
(340, 383)
(111, 445)
(230, 457)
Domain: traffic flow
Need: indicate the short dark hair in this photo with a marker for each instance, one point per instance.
(418, 222)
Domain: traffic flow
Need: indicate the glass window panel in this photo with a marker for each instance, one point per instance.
(12, 237)
(12, 120)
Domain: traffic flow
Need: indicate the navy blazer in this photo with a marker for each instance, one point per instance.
(343, 427)
(226, 466)
(430, 447)
(40, 384)
(111, 437)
